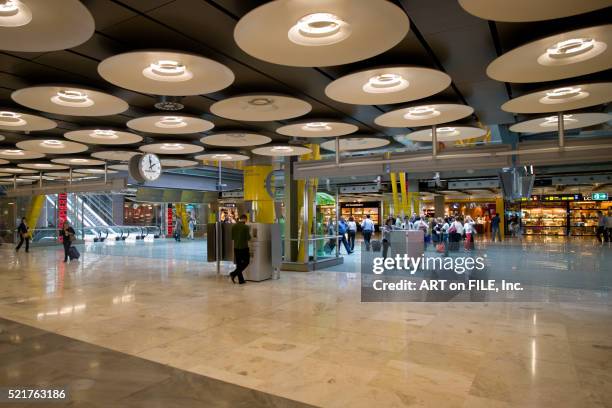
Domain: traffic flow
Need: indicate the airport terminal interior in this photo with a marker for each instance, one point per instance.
(153, 151)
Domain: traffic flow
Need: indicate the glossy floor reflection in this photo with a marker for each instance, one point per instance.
(308, 338)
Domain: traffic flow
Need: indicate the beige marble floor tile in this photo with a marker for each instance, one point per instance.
(278, 349)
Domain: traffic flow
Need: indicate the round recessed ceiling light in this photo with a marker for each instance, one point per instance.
(43, 25)
(171, 148)
(281, 150)
(319, 29)
(167, 73)
(387, 85)
(115, 155)
(424, 115)
(52, 146)
(232, 139)
(260, 108)
(320, 33)
(224, 157)
(64, 100)
(317, 129)
(551, 123)
(103, 136)
(355, 143)
(170, 124)
(560, 56)
(529, 10)
(10, 120)
(561, 99)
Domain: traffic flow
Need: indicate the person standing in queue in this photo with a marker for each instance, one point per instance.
(367, 228)
(241, 235)
(67, 234)
(24, 235)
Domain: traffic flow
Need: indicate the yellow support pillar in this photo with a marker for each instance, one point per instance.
(405, 208)
(499, 209)
(396, 205)
(255, 191)
(34, 211)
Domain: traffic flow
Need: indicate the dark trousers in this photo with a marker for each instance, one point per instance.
(242, 257)
(21, 240)
(601, 234)
(345, 243)
(367, 236)
(385, 248)
(67, 245)
(496, 232)
(351, 239)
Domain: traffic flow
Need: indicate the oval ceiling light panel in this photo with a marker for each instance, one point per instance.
(68, 100)
(222, 156)
(44, 25)
(42, 166)
(103, 136)
(567, 55)
(317, 129)
(355, 143)
(260, 107)
(561, 99)
(387, 85)
(170, 124)
(17, 170)
(171, 147)
(424, 115)
(166, 73)
(19, 154)
(235, 139)
(320, 33)
(78, 161)
(445, 134)
(529, 10)
(51, 146)
(570, 121)
(115, 155)
(17, 121)
(281, 150)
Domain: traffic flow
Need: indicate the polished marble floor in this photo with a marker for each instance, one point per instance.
(307, 337)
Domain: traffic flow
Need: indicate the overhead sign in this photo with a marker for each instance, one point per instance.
(599, 196)
(62, 210)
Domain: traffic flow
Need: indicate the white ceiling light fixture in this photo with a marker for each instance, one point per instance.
(561, 99)
(52, 146)
(529, 10)
(178, 163)
(17, 170)
(320, 33)
(235, 139)
(115, 155)
(42, 166)
(260, 107)
(385, 83)
(223, 157)
(66, 100)
(570, 121)
(169, 73)
(43, 25)
(78, 161)
(281, 150)
(317, 129)
(170, 124)
(103, 136)
(95, 171)
(319, 29)
(16, 121)
(553, 121)
(424, 115)
(566, 55)
(444, 134)
(380, 86)
(171, 148)
(19, 154)
(355, 143)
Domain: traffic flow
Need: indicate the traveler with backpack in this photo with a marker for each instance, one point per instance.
(68, 235)
(342, 228)
(367, 228)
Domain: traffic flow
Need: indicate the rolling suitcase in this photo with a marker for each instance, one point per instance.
(73, 253)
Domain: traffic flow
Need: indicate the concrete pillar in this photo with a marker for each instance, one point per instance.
(439, 206)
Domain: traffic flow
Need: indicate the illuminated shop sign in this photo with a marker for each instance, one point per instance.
(62, 210)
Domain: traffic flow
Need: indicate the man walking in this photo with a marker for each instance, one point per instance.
(241, 235)
(495, 231)
(24, 235)
(367, 228)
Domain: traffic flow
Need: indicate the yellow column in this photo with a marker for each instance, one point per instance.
(416, 204)
(396, 205)
(405, 208)
(34, 211)
(499, 209)
(255, 190)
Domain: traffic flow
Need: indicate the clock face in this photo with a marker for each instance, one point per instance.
(150, 167)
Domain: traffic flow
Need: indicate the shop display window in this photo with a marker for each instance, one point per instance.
(583, 216)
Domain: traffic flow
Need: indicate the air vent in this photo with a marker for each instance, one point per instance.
(169, 103)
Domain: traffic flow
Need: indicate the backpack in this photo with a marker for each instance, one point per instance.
(342, 228)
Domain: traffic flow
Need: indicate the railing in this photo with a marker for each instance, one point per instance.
(50, 236)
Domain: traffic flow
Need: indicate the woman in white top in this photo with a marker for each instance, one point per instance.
(351, 228)
(470, 231)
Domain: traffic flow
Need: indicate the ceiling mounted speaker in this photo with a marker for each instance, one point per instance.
(320, 33)
(69, 100)
(566, 55)
(570, 121)
(43, 25)
(561, 99)
(166, 73)
(514, 11)
(169, 103)
(380, 86)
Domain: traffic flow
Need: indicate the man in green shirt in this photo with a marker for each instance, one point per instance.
(241, 236)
